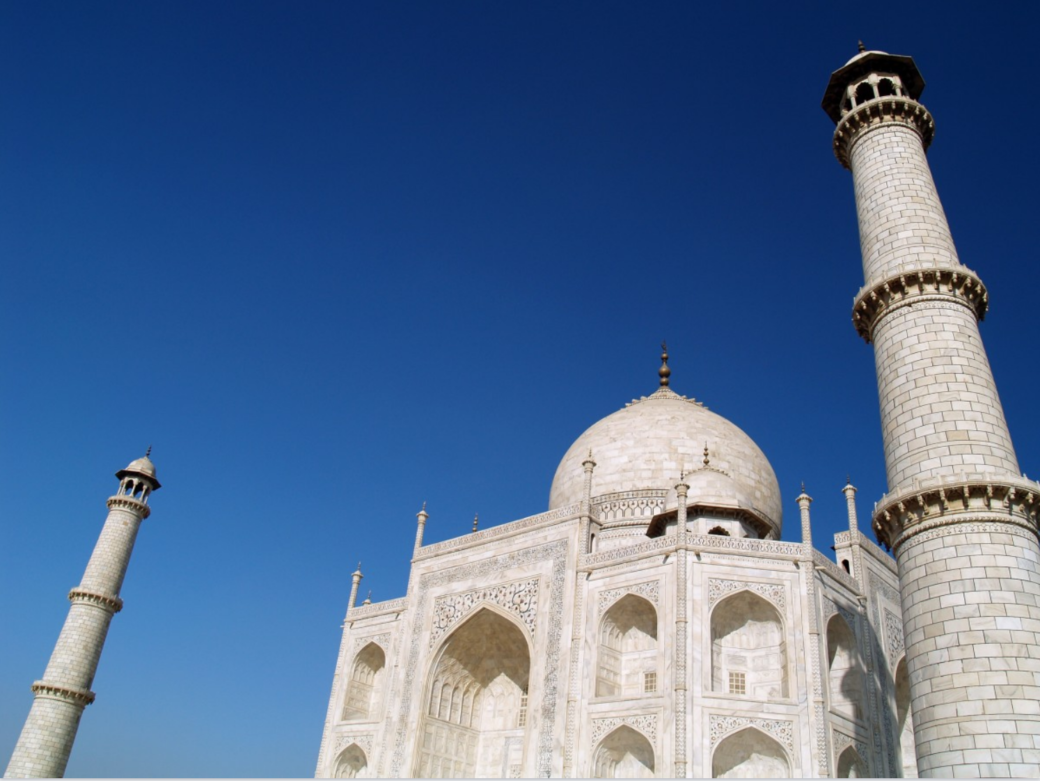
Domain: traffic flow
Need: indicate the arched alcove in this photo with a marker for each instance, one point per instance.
(851, 764)
(366, 683)
(905, 722)
(845, 671)
(748, 650)
(476, 717)
(627, 660)
(351, 763)
(624, 753)
(750, 754)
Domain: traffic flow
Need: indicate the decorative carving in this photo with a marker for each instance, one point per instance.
(132, 505)
(382, 640)
(377, 609)
(841, 538)
(645, 724)
(642, 504)
(655, 545)
(954, 285)
(893, 635)
(821, 740)
(364, 742)
(781, 729)
(843, 741)
(649, 590)
(773, 592)
(554, 552)
(891, 109)
(519, 598)
(833, 570)
(504, 530)
(793, 550)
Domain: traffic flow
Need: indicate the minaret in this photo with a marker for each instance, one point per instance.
(958, 516)
(45, 743)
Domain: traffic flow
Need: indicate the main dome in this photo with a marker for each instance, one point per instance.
(649, 442)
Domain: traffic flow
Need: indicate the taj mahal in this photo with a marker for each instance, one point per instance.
(651, 622)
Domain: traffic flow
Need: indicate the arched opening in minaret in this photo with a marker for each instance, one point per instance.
(905, 722)
(366, 683)
(351, 763)
(846, 566)
(750, 753)
(719, 531)
(627, 660)
(748, 651)
(475, 720)
(851, 764)
(624, 753)
(845, 670)
(864, 92)
(885, 88)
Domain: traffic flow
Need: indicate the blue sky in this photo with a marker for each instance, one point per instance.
(333, 260)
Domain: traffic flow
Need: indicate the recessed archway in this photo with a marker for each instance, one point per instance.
(627, 663)
(851, 765)
(624, 753)
(475, 722)
(905, 722)
(748, 650)
(365, 686)
(351, 763)
(750, 753)
(845, 672)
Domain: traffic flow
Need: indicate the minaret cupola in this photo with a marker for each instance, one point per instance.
(138, 479)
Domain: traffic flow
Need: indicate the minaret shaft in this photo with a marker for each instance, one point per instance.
(959, 517)
(46, 740)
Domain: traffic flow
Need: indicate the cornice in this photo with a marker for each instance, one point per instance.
(131, 504)
(956, 285)
(79, 697)
(891, 110)
(104, 601)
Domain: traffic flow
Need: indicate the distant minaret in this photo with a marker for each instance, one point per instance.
(46, 740)
(959, 516)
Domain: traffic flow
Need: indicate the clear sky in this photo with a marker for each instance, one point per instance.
(336, 259)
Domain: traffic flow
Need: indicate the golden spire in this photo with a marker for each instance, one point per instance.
(664, 372)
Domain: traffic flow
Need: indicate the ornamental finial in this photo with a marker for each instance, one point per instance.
(706, 459)
(475, 519)
(148, 452)
(862, 48)
(664, 372)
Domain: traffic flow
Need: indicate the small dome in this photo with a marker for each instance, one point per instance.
(649, 442)
(865, 53)
(140, 466)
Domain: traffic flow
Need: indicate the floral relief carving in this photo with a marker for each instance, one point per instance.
(893, 635)
(646, 724)
(364, 742)
(821, 740)
(773, 592)
(649, 590)
(781, 729)
(519, 598)
(382, 640)
(843, 741)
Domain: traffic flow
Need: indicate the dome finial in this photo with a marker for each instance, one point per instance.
(706, 459)
(148, 452)
(664, 372)
(475, 520)
(862, 48)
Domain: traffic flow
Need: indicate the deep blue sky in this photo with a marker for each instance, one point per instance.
(333, 260)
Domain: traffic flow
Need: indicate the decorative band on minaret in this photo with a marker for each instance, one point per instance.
(959, 517)
(46, 741)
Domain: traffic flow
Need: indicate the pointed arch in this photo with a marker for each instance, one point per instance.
(750, 753)
(627, 657)
(851, 764)
(748, 648)
(905, 721)
(624, 753)
(479, 678)
(364, 690)
(351, 763)
(845, 668)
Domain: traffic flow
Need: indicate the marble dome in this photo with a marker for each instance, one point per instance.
(650, 441)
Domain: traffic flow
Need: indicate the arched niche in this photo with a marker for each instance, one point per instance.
(750, 753)
(851, 764)
(748, 649)
(351, 763)
(627, 658)
(366, 683)
(905, 722)
(624, 753)
(845, 672)
(475, 720)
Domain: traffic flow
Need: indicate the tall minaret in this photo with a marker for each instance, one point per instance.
(959, 516)
(46, 740)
